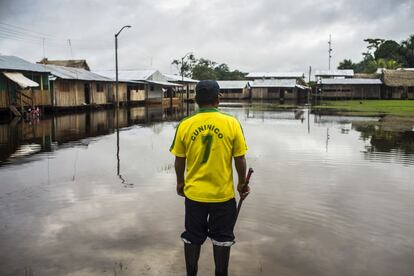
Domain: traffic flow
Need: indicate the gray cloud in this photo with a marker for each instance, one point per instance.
(248, 35)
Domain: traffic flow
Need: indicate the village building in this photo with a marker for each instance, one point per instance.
(187, 91)
(274, 75)
(350, 88)
(23, 85)
(152, 85)
(77, 87)
(279, 89)
(334, 74)
(75, 63)
(398, 84)
(234, 89)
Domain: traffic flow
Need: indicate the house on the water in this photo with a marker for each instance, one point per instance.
(77, 87)
(334, 74)
(279, 89)
(350, 88)
(274, 75)
(153, 86)
(75, 63)
(398, 84)
(23, 85)
(187, 90)
(234, 89)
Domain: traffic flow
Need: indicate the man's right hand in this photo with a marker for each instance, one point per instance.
(180, 189)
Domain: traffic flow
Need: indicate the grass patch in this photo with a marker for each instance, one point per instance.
(403, 108)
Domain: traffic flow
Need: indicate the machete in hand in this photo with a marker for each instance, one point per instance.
(249, 174)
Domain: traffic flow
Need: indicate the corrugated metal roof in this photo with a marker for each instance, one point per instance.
(18, 64)
(232, 84)
(280, 75)
(70, 73)
(273, 83)
(179, 78)
(164, 83)
(351, 81)
(335, 73)
(128, 75)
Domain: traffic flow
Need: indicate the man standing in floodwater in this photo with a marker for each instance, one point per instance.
(205, 143)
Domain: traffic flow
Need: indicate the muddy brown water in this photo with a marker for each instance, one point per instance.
(327, 198)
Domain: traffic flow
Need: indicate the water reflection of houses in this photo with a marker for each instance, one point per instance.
(388, 146)
(22, 84)
(20, 138)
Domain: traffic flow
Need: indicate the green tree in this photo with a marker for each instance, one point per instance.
(185, 65)
(204, 70)
(407, 49)
(389, 50)
(373, 44)
(346, 64)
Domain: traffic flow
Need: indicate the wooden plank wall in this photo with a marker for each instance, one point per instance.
(137, 95)
(74, 97)
(40, 97)
(4, 100)
(99, 98)
(122, 92)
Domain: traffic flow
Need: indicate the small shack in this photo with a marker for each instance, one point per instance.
(398, 84)
(22, 84)
(74, 63)
(278, 89)
(187, 90)
(349, 89)
(151, 84)
(76, 87)
(274, 75)
(334, 74)
(234, 89)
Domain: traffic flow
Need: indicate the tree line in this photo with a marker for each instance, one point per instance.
(206, 69)
(382, 53)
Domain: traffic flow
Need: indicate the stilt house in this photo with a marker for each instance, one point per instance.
(22, 85)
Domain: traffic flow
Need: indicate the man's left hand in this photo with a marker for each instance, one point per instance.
(180, 189)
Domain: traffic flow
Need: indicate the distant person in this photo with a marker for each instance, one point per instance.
(205, 144)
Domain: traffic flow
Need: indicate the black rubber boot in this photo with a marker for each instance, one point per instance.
(192, 253)
(221, 259)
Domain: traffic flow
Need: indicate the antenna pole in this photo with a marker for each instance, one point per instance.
(330, 51)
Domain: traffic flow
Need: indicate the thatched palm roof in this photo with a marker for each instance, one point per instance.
(75, 63)
(397, 78)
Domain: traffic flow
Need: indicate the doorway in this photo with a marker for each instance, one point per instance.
(87, 90)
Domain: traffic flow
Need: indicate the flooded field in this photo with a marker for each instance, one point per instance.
(79, 196)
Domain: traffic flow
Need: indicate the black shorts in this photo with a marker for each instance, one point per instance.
(213, 220)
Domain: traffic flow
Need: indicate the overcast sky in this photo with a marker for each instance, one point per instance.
(260, 35)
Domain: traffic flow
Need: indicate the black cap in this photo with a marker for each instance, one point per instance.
(207, 90)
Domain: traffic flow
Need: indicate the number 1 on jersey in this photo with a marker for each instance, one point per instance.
(207, 142)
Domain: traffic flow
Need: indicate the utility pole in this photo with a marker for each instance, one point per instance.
(116, 64)
(309, 92)
(330, 51)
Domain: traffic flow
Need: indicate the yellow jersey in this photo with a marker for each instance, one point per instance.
(208, 140)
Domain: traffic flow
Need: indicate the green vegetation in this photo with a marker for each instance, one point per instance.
(383, 53)
(404, 108)
(205, 69)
